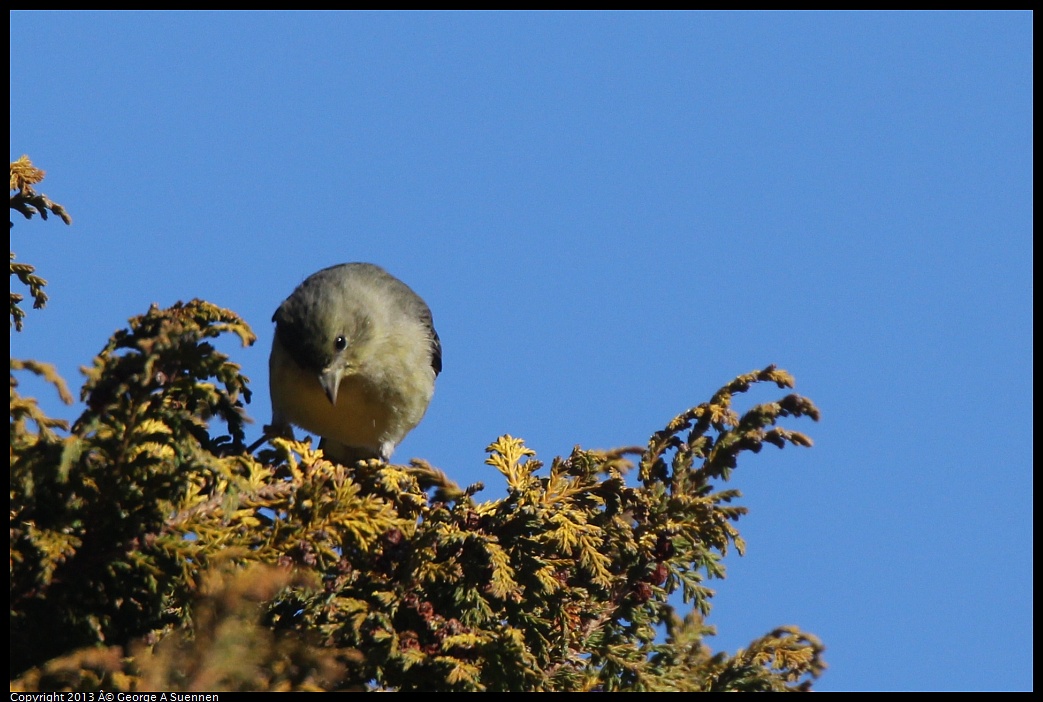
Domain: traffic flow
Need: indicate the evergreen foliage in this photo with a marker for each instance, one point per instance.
(150, 550)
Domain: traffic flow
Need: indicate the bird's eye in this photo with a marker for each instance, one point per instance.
(340, 343)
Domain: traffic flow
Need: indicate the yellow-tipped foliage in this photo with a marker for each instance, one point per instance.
(26, 201)
(150, 550)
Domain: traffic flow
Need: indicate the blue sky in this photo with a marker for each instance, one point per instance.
(611, 215)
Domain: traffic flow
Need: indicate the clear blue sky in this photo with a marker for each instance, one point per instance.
(610, 216)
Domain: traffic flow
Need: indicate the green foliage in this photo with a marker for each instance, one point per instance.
(150, 550)
(28, 202)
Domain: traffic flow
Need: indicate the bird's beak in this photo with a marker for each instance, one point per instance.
(329, 379)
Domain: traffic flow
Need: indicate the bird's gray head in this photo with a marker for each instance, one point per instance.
(323, 330)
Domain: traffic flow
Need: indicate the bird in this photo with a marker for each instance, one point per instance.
(354, 359)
